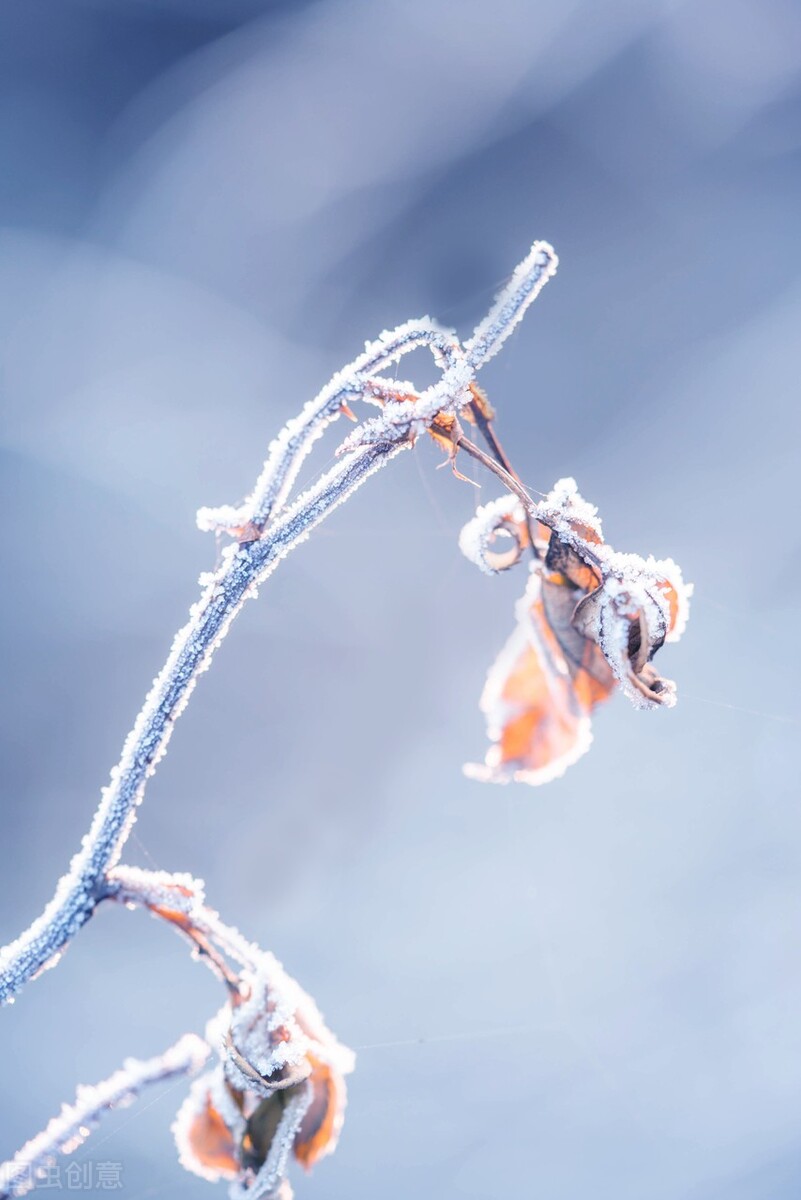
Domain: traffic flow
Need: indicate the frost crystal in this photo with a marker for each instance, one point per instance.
(278, 1088)
(501, 519)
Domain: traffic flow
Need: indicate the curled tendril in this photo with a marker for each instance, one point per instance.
(496, 536)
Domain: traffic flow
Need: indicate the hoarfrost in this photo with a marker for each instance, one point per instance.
(66, 1132)
(477, 541)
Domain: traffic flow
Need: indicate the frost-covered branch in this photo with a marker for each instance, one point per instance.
(452, 390)
(66, 1132)
(287, 453)
(267, 531)
(504, 518)
(180, 899)
(276, 1089)
(243, 569)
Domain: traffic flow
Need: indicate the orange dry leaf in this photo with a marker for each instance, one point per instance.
(211, 1142)
(538, 699)
(254, 1127)
(278, 1090)
(322, 1121)
(589, 620)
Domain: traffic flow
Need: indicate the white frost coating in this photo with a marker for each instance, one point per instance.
(478, 535)
(271, 988)
(671, 571)
(264, 1036)
(207, 1087)
(630, 591)
(66, 1132)
(223, 519)
(267, 1037)
(629, 584)
(287, 452)
(528, 279)
(183, 894)
(269, 1182)
(224, 591)
(564, 503)
(267, 1045)
(277, 1004)
(378, 390)
(165, 889)
(451, 392)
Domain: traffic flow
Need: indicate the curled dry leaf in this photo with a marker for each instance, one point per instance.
(589, 621)
(497, 535)
(277, 1091)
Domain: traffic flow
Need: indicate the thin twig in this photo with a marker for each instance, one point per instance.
(240, 574)
(66, 1132)
(487, 431)
(532, 509)
(510, 481)
(179, 899)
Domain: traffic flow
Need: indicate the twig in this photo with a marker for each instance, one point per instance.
(180, 900)
(489, 435)
(286, 454)
(242, 570)
(66, 1132)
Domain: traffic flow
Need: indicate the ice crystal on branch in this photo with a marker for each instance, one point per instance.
(66, 1132)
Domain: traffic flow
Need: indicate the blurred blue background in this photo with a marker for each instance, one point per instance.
(206, 206)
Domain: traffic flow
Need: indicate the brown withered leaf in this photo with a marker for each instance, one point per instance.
(590, 620)
(322, 1121)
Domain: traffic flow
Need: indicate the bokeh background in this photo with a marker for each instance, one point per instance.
(206, 206)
